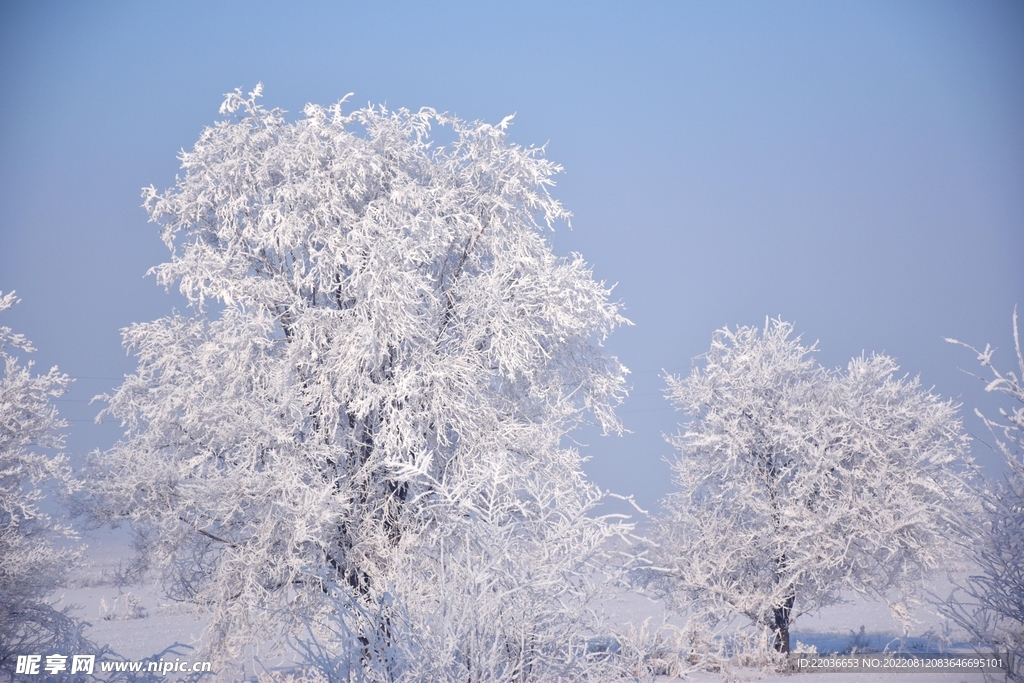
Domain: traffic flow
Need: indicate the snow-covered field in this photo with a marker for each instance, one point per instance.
(138, 622)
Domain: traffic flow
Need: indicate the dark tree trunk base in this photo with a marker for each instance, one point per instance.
(781, 616)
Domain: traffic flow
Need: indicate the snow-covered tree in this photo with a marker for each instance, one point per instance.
(990, 604)
(353, 438)
(31, 565)
(797, 484)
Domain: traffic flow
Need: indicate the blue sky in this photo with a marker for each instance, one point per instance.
(857, 168)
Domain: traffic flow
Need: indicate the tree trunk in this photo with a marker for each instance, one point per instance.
(781, 616)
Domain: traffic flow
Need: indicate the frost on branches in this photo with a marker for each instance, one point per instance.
(352, 440)
(797, 484)
(990, 605)
(30, 565)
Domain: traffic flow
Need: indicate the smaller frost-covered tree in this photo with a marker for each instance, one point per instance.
(30, 564)
(798, 484)
(990, 604)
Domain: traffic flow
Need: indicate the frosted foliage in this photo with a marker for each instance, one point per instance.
(496, 589)
(356, 428)
(990, 604)
(30, 564)
(797, 484)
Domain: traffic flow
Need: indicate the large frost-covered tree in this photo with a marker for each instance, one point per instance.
(31, 564)
(990, 603)
(797, 484)
(352, 440)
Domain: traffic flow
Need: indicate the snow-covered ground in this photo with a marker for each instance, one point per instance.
(138, 622)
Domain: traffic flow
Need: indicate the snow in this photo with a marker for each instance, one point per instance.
(832, 629)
